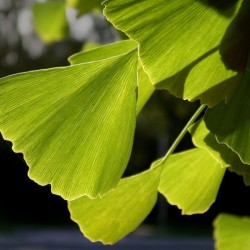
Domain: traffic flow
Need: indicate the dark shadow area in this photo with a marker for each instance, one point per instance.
(176, 82)
(224, 7)
(234, 48)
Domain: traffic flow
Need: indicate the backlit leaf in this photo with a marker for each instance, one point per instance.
(119, 212)
(232, 232)
(202, 138)
(231, 122)
(191, 180)
(175, 37)
(73, 124)
(50, 20)
(145, 87)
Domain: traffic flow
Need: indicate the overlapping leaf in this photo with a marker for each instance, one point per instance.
(232, 232)
(202, 138)
(73, 124)
(119, 212)
(145, 87)
(231, 122)
(50, 20)
(191, 180)
(175, 37)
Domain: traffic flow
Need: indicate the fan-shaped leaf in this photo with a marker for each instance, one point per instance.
(145, 87)
(119, 212)
(175, 37)
(191, 180)
(74, 124)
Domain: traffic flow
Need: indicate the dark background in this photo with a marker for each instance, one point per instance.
(23, 202)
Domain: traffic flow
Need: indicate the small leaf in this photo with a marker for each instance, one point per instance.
(202, 138)
(75, 124)
(232, 232)
(50, 20)
(191, 180)
(110, 218)
(231, 122)
(145, 87)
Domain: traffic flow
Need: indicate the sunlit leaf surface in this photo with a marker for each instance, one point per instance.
(73, 124)
(190, 180)
(145, 87)
(175, 37)
(231, 122)
(119, 212)
(232, 232)
(50, 20)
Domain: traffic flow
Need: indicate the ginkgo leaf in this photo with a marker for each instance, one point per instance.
(191, 180)
(231, 122)
(174, 36)
(145, 87)
(232, 232)
(74, 124)
(207, 79)
(110, 218)
(202, 138)
(50, 20)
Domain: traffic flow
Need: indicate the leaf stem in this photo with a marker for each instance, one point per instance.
(182, 133)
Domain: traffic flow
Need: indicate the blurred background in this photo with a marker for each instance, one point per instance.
(24, 204)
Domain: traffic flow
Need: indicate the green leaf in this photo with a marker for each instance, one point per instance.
(103, 52)
(231, 122)
(173, 38)
(191, 180)
(84, 6)
(202, 138)
(75, 124)
(50, 20)
(232, 232)
(145, 87)
(206, 79)
(110, 218)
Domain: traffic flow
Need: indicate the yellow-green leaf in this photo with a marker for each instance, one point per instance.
(110, 218)
(74, 124)
(191, 180)
(232, 232)
(145, 87)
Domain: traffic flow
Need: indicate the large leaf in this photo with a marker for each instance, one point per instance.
(73, 124)
(191, 180)
(119, 212)
(174, 36)
(231, 122)
(145, 87)
(50, 20)
(232, 232)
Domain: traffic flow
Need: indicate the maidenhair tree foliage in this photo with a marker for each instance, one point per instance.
(75, 124)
